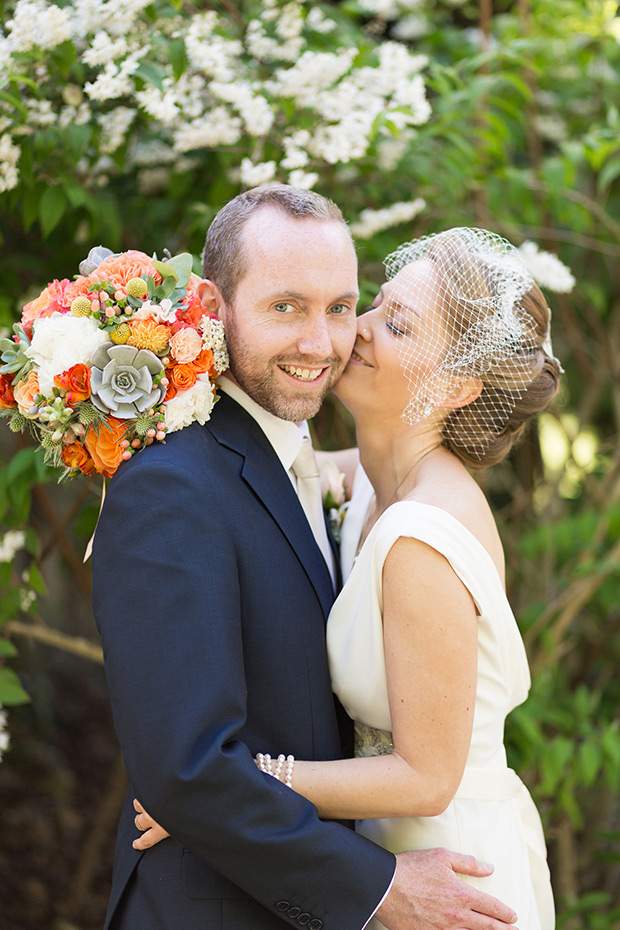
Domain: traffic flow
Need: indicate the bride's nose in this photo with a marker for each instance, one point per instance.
(363, 329)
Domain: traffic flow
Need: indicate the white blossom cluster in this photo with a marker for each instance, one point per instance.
(371, 222)
(236, 91)
(10, 544)
(547, 269)
(4, 732)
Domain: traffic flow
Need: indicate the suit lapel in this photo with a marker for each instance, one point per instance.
(262, 470)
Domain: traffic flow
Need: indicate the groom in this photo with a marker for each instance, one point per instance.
(211, 596)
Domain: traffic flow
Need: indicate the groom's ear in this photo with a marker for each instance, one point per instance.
(210, 297)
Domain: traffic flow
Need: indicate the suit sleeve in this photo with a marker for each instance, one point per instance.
(167, 603)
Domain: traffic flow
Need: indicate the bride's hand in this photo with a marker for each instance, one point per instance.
(152, 833)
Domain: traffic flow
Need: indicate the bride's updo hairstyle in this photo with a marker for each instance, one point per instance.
(474, 343)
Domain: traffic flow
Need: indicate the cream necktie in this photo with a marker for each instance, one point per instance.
(306, 471)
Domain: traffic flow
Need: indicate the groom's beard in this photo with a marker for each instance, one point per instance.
(262, 380)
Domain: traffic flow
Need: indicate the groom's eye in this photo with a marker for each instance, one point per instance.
(339, 308)
(283, 307)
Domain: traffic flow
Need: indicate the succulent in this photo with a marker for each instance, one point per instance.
(96, 255)
(13, 354)
(121, 380)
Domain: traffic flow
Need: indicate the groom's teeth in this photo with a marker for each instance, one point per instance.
(304, 374)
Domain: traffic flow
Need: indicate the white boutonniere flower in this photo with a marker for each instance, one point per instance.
(334, 495)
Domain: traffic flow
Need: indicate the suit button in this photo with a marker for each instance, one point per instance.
(315, 924)
(283, 905)
(303, 918)
(294, 912)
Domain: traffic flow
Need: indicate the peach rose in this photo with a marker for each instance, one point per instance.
(54, 299)
(7, 397)
(182, 377)
(104, 447)
(25, 392)
(76, 456)
(119, 269)
(185, 345)
(76, 382)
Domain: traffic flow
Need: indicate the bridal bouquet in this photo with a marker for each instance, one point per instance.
(116, 359)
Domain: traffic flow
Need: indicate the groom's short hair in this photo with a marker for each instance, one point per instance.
(224, 258)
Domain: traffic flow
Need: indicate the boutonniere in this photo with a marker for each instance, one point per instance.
(334, 496)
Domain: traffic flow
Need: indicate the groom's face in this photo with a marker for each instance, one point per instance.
(291, 325)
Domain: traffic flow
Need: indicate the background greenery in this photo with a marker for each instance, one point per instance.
(523, 138)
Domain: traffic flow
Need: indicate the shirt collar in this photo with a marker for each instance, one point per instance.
(285, 437)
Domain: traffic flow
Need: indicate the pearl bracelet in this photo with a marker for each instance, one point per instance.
(264, 762)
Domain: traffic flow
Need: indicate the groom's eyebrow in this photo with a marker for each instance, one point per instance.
(350, 295)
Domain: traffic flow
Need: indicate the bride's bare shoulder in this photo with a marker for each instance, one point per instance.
(457, 492)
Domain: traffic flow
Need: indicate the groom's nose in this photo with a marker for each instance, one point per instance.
(315, 338)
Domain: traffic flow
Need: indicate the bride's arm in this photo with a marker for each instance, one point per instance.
(430, 637)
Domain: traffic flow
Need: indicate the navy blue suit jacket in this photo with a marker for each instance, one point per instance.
(211, 598)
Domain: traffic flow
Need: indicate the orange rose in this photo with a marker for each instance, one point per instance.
(7, 397)
(104, 447)
(76, 456)
(76, 382)
(25, 392)
(54, 299)
(203, 362)
(182, 377)
(170, 392)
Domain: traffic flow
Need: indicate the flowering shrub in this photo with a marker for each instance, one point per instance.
(153, 87)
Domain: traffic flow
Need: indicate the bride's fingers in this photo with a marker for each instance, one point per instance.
(150, 837)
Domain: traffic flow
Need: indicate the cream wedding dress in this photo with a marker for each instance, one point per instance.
(492, 815)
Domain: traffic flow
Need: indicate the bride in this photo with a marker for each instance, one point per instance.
(425, 655)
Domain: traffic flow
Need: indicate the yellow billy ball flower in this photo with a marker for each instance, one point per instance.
(81, 306)
(136, 287)
(120, 334)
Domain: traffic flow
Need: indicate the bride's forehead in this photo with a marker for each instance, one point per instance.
(416, 283)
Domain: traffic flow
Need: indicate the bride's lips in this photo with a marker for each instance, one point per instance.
(357, 359)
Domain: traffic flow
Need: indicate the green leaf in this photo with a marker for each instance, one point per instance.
(151, 73)
(11, 691)
(609, 173)
(166, 269)
(7, 649)
(51, 209)
(182, 264)
(177, 57)
(589, 759)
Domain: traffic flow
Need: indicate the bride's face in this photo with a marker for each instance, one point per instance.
(400, 341)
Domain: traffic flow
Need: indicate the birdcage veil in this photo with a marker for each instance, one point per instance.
(455, 303)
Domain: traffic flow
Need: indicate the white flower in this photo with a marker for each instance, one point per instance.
(410, 27)
(547, 269)
(217, 128)
(9, 156)
(4, 734)
(38, 23)
(10, 544)
(103, 49)
(213, 338)
(195, 404)
(374, 221)
(305, 180)
(60, 341)
(333, 491)
(159, 313)
(254, 175)
(114, 128)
